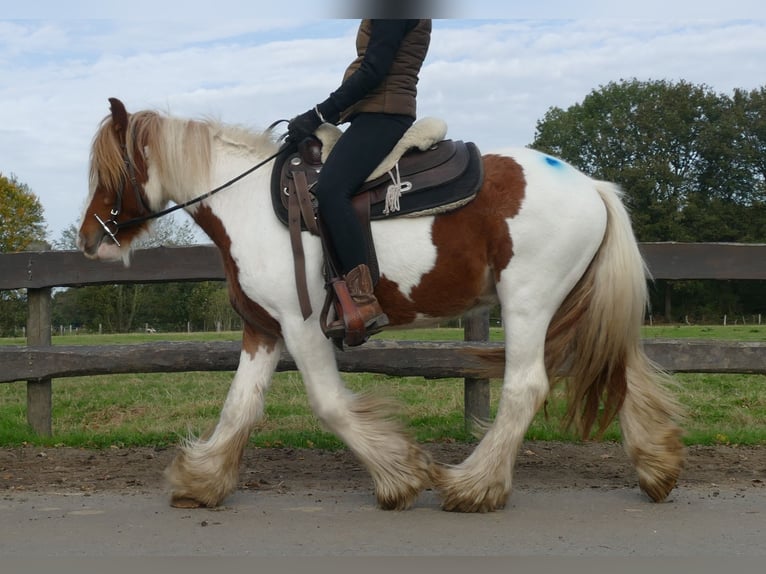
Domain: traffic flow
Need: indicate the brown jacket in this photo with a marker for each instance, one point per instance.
(397, 93)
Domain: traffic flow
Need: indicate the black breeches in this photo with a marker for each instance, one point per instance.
(361, 148)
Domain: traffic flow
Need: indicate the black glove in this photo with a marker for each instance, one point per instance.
(302, 126)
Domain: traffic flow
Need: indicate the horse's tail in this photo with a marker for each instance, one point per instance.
(594, 340)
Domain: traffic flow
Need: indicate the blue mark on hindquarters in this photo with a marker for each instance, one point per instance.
(553, 162)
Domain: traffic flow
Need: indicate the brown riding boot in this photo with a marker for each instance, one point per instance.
(358, 313)
(360, 286)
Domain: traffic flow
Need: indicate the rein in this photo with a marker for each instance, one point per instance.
(115, 212)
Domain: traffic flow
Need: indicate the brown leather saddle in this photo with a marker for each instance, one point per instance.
(443, 178)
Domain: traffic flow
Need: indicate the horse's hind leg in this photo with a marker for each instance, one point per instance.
(482, 482)
(400, 469)
(206, 470)
(650, 434)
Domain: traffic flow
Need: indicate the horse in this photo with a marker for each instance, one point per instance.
(552, 246)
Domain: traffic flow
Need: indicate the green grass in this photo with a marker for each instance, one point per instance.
(715, 332)
(709, 332)
(158, 409)
(132, 338)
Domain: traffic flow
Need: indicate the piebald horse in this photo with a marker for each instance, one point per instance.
(553, 247)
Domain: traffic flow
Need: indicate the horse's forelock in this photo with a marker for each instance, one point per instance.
(106, 164)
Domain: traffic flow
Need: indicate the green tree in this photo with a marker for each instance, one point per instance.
(215, 311)
(21, 224)
(21, 216)
(645, 136)
(691, 162)
(750, 110)
(13, 312)
(67, 241)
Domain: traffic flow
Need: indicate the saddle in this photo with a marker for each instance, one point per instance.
(423, 175)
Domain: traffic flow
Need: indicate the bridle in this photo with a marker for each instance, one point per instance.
(117, 207)
(111, 226)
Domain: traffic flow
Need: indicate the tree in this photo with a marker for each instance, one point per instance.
(750, 110)
(169, 232)
(21, 225)
(21, 216)
(646, 136)
(692, 164)
(13, 312)
(210, 307)
(67, 240)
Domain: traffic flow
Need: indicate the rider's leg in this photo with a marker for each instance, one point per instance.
(360, 149)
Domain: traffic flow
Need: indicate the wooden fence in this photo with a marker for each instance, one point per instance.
(39, 362)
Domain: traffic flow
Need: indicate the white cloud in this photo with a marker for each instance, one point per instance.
(490, 80)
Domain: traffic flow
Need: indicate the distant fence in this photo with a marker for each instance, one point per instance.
(39, 362)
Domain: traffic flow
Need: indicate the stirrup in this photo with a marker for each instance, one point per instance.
(337, 329)
(347, 327)
(354, 338)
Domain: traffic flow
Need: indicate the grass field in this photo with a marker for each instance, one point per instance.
(156, 409)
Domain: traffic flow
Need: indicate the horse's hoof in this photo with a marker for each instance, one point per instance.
(658, 487)
(473, 506)
(403, 502)
(462, 493)
(184, 502)
(400, 491)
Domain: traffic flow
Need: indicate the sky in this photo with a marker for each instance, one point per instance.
(492, 71)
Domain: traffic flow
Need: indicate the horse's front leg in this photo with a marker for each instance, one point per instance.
(206, 470)
(400, 469)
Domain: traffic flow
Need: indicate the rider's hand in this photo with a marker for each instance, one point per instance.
(304, 125)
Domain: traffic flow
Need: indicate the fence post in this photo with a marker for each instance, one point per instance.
(39, 392)
(476, 391)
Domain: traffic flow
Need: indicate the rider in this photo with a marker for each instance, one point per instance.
(378, 99)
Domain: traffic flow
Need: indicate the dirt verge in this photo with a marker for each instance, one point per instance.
(541, 465)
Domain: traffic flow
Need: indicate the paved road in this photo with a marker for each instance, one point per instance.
(561, 522)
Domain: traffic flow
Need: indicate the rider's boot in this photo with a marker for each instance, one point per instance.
(360, 287)
(358, 311)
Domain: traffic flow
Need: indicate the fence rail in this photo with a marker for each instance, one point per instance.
(40, 269)
(430, 359)
(39, 362)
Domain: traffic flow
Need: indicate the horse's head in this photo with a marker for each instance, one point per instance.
(118, 176)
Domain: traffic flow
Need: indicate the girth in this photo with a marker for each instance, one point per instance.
(440, 179)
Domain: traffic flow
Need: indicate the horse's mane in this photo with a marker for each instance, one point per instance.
(179, 149)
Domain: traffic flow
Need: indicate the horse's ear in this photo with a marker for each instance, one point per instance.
(119, 116)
